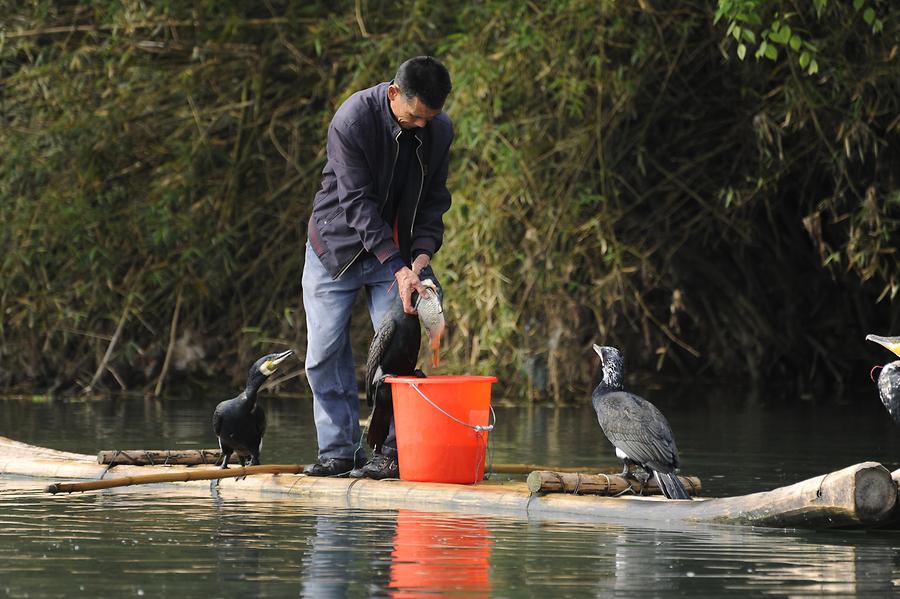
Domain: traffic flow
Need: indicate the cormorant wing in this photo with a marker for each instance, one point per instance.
(382, 413)
(217, 418)
(638, 429)
(260, 416)
(380, 343)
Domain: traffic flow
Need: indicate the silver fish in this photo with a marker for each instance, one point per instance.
(431, 315)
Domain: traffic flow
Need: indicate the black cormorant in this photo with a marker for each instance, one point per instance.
(239, 423)
(889, 379)
(635, 427)
(395, 349)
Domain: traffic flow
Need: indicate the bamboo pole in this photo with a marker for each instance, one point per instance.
(542, 481)
(173, 477)
(529, 468)
(859, 495)
(193, 457)
(863, 495)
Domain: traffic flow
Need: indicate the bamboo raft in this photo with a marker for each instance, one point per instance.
(859, 496)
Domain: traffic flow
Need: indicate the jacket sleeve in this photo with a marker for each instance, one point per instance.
(356, 190)
(428, 232)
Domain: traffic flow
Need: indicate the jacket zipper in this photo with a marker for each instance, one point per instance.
(412, 223)
(387, 195)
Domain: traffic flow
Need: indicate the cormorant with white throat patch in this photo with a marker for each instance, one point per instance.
(889, 379)
(636, 428)
(240, 422)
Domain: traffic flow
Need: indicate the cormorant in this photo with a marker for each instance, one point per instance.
(889, 379)
(635, 427)
(238, 422)
(395, 349)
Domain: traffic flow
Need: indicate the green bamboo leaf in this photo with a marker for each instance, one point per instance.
(813, 67)
(857, 4)
(786, 34)
(804, 59)
(781, 35)
(741, 51)
(869, 15)
(771, 52)
(748, 35)
(796, 42)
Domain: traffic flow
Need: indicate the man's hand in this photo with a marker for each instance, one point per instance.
(407, 282)
(421, 261)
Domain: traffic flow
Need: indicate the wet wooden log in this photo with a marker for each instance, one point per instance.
(610, 485)
(156, 457)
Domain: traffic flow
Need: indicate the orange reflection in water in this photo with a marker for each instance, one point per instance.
(435, 553)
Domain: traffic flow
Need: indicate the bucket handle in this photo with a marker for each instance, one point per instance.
(476, 427)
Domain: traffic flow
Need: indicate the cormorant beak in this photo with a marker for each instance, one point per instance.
(272, 365)
(279, 358)
(890, 343)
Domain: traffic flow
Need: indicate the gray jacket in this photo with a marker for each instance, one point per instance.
(356, 182)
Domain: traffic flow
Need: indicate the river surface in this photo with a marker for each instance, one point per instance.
(165, 542)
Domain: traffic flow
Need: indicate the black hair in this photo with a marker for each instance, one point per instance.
(425, 78)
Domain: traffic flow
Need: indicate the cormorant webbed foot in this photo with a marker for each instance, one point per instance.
(226, 455)
(643, 478)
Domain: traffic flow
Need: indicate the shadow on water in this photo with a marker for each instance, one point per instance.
(192, 542)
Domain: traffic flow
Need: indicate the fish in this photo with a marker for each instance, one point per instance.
(431, 315)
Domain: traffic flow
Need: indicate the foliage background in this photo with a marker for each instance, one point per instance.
(623, 172)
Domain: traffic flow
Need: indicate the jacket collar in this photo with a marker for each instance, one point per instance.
(388, 114)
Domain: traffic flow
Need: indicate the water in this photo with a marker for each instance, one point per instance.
(187, 542)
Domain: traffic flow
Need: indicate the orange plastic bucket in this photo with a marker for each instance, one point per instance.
(442, 427)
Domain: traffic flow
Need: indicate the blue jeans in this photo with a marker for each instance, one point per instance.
(329, 358)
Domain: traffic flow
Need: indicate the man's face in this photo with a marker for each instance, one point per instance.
(411, 114)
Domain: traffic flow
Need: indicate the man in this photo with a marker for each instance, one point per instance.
(376, 222)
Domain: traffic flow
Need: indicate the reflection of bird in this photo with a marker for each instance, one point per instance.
(889, 379)
(395, 349)
(635, 427)
(239, 423)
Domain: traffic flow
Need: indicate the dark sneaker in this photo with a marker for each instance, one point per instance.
(381, 466)
(329, 467)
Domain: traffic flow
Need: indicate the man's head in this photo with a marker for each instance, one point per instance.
(418, 91)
